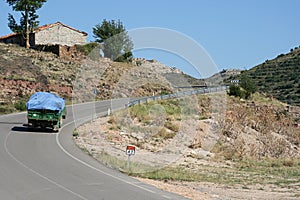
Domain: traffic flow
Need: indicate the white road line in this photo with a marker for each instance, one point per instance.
(70, 155)
(94, 168)
(167, 197)
(37, 173)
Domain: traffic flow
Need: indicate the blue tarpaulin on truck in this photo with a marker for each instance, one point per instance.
(45, 101)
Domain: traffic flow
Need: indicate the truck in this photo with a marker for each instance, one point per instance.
(45, 110)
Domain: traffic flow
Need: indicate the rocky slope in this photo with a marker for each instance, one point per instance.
(77, 77)
(253, 129)
(192, 133)
(23, 71)
(206, 137)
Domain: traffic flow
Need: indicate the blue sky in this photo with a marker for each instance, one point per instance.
(235, 33)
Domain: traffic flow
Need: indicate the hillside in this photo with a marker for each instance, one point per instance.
(78, 78)
(250, 144)
(251, 148)
(279, 77)
(221, 77)
(25, 71)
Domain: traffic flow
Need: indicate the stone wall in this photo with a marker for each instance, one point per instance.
(68, 52)
(48, 48)
(60, 35)
(15, 39)
(63, 51)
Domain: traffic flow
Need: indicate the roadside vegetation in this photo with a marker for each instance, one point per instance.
(257, 146)
(11, 108)
(245, 173)
(280, 172)
(244, 89)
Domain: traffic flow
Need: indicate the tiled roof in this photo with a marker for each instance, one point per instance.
(43, 28)
(8, 36)
(55, 24)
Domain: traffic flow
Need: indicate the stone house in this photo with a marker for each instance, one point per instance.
(50, 34)
(51, 37)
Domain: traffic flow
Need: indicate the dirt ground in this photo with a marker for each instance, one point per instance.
(207, 191)
(95, 141)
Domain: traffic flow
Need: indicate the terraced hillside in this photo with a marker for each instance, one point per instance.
(279, 77)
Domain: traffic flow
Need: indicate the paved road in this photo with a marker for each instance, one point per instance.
(45, 165)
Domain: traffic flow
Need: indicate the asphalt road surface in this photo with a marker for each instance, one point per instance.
(37, 165)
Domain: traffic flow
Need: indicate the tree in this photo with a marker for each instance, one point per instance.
(248, 85)
(116, 44)
(245, 88)
(28, 20)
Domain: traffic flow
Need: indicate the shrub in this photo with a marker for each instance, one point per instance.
(75, 133)
(172, 126)
(172, 107)
(164, 134)
(88, 48)
(236, 91)
(248, 85)
(288, 163)
(20, 105)
(138, 63)
(140, 112)
(5, 109)
(164, 92)
(126, 57)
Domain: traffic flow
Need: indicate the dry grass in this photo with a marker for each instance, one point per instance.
(284, 173)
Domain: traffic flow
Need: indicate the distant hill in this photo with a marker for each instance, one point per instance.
(279, 77)
(223, 77)
(184, 80)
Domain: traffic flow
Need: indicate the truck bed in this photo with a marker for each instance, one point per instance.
(46, 118)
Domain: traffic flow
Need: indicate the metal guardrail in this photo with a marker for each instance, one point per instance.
(177, 95)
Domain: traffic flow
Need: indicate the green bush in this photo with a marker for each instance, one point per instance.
(245, 88)
(88, 48)
(6, 109)
(20, 105)
(138, 63)
(141, 112)
(235, 90)
(75, 133)
(126, 57)
(164, 92)
(171, 107)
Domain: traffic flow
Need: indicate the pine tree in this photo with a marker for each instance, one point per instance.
(116, 44)
(28, 21)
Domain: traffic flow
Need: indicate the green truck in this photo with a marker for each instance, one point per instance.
(45, 110)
